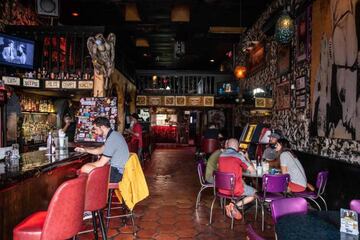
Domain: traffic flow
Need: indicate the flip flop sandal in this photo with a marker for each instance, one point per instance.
(236, 214)
(228, 211)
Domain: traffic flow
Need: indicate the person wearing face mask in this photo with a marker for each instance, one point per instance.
(135, 131)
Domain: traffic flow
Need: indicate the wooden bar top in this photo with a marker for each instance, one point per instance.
(34, 163)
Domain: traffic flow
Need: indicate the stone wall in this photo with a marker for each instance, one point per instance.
(295, 122)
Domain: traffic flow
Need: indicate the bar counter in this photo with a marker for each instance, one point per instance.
(29, 186)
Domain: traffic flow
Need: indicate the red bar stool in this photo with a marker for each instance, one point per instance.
(63, 218)
(96, 197)
(112, 187)
(210, 145)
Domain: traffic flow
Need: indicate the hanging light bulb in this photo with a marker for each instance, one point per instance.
(240, 72)
(284, 29)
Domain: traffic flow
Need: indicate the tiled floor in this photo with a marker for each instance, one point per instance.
(169, 212)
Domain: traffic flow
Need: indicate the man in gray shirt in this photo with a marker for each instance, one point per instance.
(114, 150)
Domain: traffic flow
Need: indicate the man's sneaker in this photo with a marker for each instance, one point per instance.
(87, 215)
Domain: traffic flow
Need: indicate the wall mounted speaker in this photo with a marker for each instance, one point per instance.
(47, 7)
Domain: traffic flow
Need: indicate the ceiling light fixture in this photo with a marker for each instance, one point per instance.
(212, 60)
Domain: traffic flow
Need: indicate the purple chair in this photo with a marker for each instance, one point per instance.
(355, 205)
(201, 167)
(274, 187)
(321, 182)
(251, 234)
(224, 181)
(287, 206)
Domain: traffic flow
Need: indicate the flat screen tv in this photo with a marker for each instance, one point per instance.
(17, 52)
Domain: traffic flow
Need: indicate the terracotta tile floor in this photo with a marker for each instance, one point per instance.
(169, 212)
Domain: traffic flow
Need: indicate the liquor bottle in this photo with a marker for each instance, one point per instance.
(37, 105)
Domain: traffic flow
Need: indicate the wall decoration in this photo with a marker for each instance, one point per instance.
(169, 100)
(208, 101)
(283, 64)
(301, 101)
(303, 35)
(141, 101)
(259, 102)
(335, 103)
(256, 58)
(155, 100)
(283, 95)
(300, 83)
(194, 101)
(217, 117)
(180, 101)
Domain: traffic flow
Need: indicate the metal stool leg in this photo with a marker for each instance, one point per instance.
(94, 225)
(102, 226)
(108, 213)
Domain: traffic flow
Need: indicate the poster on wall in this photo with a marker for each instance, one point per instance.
(303, 35)
(256, 58)
(283, 95)
(90, 108)
(336, 103)
(217, 117)
(283, 63)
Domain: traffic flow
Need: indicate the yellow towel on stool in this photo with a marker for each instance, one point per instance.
(133, 186)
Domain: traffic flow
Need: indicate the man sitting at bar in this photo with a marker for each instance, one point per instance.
(114, 150)
(232, 161)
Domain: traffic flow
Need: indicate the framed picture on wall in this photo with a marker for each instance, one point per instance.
(300, 83)
(301, 101)
(283, 63)
(303, 35)
(256, 57)
(283, 96)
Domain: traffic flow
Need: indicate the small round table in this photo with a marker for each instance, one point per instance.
(316, 225)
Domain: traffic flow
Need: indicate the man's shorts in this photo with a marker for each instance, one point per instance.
(248, 190)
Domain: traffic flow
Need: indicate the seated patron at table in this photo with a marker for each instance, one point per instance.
(115, 150)
(212, 164)
(290, 164)
(232, 161)
(270, 157)
(212, 132)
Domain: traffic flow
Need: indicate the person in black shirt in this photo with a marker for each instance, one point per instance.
(212, 132)
(69, 127)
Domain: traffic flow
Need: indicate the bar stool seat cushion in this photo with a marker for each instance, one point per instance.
(113, 186)
(31, 227)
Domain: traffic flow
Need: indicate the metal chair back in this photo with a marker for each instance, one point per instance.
(224, 181)
(287, 206)
(201, 168)
(321, 181)
(275, 183)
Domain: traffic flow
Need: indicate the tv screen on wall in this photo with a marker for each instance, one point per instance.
(17, 52)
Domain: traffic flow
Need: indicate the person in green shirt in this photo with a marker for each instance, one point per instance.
(212, 165)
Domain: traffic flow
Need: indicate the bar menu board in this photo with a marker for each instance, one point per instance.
(89, 110)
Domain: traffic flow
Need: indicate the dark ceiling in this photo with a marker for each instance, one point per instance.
(162, 34)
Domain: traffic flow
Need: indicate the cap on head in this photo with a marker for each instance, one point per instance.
(269, 154)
